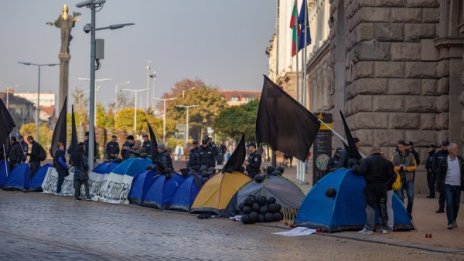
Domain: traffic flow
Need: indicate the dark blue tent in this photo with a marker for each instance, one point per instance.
(3, 171)
(18, 178)
(346, 210)
(140, 186)
(185, 194)
(105, 168)
(161, 192)
(39, 176)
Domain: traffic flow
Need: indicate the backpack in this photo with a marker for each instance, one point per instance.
(42, 154)
(397, 183)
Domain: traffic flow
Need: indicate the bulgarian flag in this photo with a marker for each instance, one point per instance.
(295, 29)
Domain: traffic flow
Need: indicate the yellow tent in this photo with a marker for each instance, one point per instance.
(216, 194)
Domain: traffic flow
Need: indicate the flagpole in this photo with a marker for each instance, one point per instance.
(337, 134)
(6, 166)
(303, 67)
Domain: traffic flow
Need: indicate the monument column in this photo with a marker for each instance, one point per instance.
(64, 76)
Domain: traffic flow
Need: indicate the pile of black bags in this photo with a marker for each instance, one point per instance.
(260, 209)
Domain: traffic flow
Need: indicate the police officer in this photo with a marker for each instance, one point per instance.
(254, 160)
(194, 160)
(129, 144)
(206, 154)
(438, 159)
(146, 144)
(112, 148)
(164, 159)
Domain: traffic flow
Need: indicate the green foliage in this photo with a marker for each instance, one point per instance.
(104, 119)
(124, 121)
(45, 133)
(234, 121)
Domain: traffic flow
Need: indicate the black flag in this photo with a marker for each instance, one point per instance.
(153, 143)
(235, 161)
(59, 133)
(351, 149)
(6, 126)
(73, 143)
(284, 123)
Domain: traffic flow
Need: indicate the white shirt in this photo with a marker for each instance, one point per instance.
(453, 174)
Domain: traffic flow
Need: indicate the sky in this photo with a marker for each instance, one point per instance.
(221, 42)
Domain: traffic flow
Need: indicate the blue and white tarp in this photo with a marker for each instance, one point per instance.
(51, 179)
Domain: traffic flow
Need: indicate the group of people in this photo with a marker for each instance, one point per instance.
(20, 151)
(445, 172)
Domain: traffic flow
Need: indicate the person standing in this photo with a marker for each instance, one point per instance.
(193, 159)
(431, 177)
(59, 162)
(86, 145)
(254, 161)
(378, 173)
(405, 165)
(81, 171)
(128, 144)
(438, 158)
(410, 148)
(450, 179)
(15, 154)
(36, 156)
(206, 154)
(112, 148)
(24, 147)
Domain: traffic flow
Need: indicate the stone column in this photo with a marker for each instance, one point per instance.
(64, 77)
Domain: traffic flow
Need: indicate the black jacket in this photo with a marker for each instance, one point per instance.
(375, 169)
(437, 159)
(416, 156)
(35, 151)
(194, 158)
(125, 154)
(442, 171)
(112, 148)
(146, 147)
(429, 161)
(207, 156)
(15, 154)
(165, 162)
(254, 163)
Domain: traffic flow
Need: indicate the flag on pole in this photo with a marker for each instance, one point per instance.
(305, 36)
(351, 148)
(284, 123)
(153, 143)
(295, 28)
(59, 133)
(73, 143)
(6, 126)
(235, 161)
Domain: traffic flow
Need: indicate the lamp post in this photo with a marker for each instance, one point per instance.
(8, 89)
(164, 115)
(39, 66)
(116, 93)
(93, 5)
(187, 120)
(136, 92)
(95, 90)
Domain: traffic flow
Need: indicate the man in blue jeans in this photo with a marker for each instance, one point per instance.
(405, 165)
(450, 178)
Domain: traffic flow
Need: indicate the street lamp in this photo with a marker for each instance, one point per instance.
(39, 66)
(8, 89)
(136, 92)
(93, 5)
(186, 120)
(95, 90)
(116, 93)
(153, 76)
(164, 115)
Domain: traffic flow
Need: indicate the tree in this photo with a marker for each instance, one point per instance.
(180, 88)
(45, 134)
(210, 103)
(124, 121)
(234, 121)
(104, 119)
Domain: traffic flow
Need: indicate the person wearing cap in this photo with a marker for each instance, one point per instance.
(438, 160)
(15, 154)
(24, 147)
(128, 144)
(253, 164)
(193, 159)
(164, 159)
(430, 175)
(146, 144)
(112, 148)
(405, 165)
(206, 154)
(450, 181)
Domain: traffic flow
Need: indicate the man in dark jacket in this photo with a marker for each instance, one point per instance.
(129, 144)
(15, 154)
(86, 145)
(410, 148)
(34, 156)
(146, 144)
(206, 154)
(450, 181)
(24, 147)
(437, 161)
(164, 159)
(112, 148)
(337, 161)
(378, 173)
(81, 171)
(194, 160)
(430, 174)
(253, 164)
(59, 162)
(405, 165)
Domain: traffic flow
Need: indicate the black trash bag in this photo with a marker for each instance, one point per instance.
(259, 178)
(253, 216)
(330, 192)
(268, 217)
(272, 208)
(248, 202)
(256, 207)
(240, 207)
(271, 200)
(269, 170)
(245, 219)
(263, 210)
(247, 210)
(260, 218)
(277, 216)
(262, 200)
(278, 207)
(280, 169)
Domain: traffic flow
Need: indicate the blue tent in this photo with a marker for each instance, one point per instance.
(39, 176)
(346, 210)
(132, 166)
(161, 192)
(105, 167)
(3, 170)
(18, 178)
(186, 194)
(140, 186)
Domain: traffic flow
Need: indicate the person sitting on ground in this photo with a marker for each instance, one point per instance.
(377, 172)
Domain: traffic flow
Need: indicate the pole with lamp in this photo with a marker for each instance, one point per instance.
(91, 28)
(164, 114)
(136, 92)
(39, 66)
(186, 120)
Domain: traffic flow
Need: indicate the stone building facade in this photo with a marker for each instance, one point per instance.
(394, 67)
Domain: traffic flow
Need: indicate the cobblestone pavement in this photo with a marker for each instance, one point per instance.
(36, 226)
